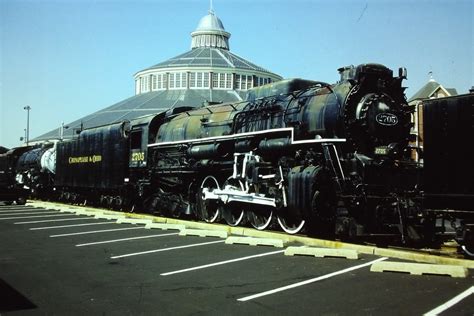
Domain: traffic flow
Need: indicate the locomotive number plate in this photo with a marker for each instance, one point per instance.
(138, 156)
(382, 150)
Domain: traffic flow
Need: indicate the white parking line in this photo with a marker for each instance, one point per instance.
(323, 277)
(96, 231)
(223, 262)
(124, 239)
(29, 213)
(57, 220)
(66, 226)
(167, 249)
(451, 302)
(21, 210)
(18, 206)
(24, 217)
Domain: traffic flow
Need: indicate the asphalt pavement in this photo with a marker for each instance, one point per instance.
(54, 263)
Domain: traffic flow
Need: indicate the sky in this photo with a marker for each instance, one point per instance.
(69, 58)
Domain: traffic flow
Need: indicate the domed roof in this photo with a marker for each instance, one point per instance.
(208, 57)
(210, 22)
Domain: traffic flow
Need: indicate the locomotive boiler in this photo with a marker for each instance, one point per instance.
(332, 159)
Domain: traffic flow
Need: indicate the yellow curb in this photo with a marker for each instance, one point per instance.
(164, 226)
(420, 257)
(198, 225)
(322, 252)
(252, 241)
(86, 213)
(126, 220)
(420, 268)
(109, 217)
(203, 233)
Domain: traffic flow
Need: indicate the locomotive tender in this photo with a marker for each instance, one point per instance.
(448, 175)
(331, 160)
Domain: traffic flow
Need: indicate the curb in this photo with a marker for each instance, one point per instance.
(307, 241)
(322, 252)
(252, 241)
(203, 233)
(420, 268)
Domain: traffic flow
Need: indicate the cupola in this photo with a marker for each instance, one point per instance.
(210, 32)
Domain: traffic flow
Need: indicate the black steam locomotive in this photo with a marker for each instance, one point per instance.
(328, 157)
(10, 191)
(333, 160)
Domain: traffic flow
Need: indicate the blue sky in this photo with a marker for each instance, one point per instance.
(69, 58)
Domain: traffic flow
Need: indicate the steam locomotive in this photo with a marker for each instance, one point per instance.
(328, 159)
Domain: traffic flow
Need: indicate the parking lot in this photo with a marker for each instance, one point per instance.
(64, 263)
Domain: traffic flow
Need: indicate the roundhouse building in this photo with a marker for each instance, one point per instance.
(209, 72)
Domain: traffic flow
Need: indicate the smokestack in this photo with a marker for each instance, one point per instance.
(471, 90)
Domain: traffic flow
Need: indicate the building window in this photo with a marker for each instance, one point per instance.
(159, 81)
(199, 80)
(192, 80)
(237, 82)
(178, 80)
(249, 82)
(184, 80)
(171, 80)
(154, 82)
(215, 80)
(144, 84)
(222, 81)
(243, 82)
(228, 81)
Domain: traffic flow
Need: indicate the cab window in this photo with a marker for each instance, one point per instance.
(136, 140)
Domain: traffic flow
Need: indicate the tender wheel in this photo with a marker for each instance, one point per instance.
(208, 209)
(260, 219)
(233, 214)
(291, 223)
(468, 240)
(469, 251)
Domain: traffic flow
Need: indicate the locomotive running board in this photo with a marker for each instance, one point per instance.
(289, 130)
